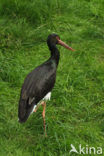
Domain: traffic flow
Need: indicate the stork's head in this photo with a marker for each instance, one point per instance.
(55, 39)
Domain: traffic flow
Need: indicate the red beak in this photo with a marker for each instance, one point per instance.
(64, 45)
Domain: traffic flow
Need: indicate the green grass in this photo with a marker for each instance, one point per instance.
(75, 114)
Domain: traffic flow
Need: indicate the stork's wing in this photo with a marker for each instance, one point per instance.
(36, 85)
(39, 82)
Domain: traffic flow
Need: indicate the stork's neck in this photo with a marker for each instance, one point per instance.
(55, 55)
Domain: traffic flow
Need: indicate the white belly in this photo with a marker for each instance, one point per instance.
(47, 97)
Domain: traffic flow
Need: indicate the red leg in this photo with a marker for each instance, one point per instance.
(43, 115)
(43, 103)
(37, 108)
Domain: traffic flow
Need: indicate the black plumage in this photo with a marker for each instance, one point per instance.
(40, 81)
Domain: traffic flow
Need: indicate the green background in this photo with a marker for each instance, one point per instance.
(75, 114)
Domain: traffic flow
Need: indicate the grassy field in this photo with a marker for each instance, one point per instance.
(75, 114)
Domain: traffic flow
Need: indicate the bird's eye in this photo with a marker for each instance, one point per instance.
(57, 38)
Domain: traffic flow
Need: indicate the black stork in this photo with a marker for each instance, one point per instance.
(38, 84)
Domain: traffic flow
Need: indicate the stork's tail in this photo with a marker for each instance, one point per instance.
(24, 110)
